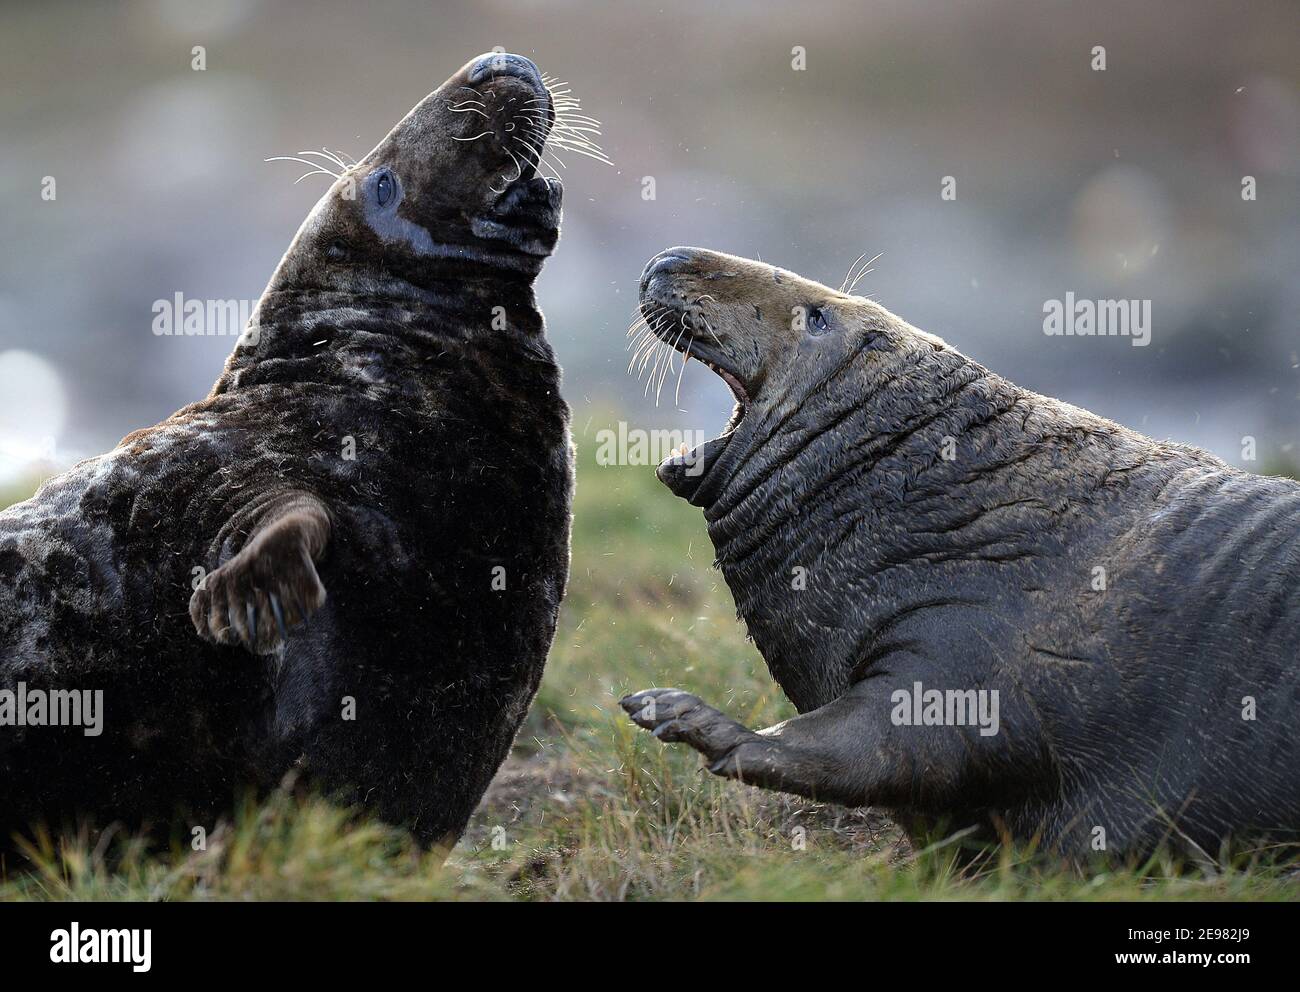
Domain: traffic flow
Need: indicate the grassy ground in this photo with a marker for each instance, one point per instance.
(588, 807)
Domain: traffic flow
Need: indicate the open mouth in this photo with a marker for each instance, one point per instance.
(661, 333)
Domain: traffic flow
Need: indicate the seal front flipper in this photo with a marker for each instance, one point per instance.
(731, 749)
(271, 585)
(847, 752)
(673, 715)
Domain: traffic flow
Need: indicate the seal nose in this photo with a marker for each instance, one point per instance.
(493, 64)
(666, 263)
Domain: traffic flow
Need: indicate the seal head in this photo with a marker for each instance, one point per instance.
(772, 336)
(453, 189)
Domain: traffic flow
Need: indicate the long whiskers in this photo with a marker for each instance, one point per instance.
(540, 132)
(677, 394)
(316, 168)
(649, 350)
(705, 320)
(462, 109)
(570, 130)
(667, 366)
(654, 346)
(851, 279)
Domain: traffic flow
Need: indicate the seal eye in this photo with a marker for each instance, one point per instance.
(384, 189)
(817, 321)
(337, 249)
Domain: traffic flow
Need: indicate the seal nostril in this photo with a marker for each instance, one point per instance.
(664, 265)
(495, 64)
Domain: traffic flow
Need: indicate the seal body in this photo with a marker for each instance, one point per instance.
(993, 610)
(348, 559)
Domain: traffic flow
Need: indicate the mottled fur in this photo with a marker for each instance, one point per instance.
(1121, 708)
(370, 338)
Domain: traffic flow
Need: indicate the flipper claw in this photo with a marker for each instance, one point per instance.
(279, 617)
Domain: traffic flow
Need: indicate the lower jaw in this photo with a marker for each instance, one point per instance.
(683, 473)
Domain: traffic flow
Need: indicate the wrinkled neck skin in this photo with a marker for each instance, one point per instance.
(835, 514)
(449, 276)
(375, 333)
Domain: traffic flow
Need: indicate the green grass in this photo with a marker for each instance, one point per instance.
(589, 807)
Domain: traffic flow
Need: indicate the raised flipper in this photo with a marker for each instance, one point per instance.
(271, 585)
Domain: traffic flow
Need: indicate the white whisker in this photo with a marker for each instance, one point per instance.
(677, 396)
(316, 167)
(865, 269)
(324, 153)
(570, 130)
(709, 327)
(848, 274)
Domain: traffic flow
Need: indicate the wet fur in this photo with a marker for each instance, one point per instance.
(462, 464)
(1120, 709)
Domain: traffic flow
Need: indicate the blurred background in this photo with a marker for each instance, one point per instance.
(1117, 184)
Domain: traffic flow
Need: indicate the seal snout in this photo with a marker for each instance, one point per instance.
(666, 264)
(513, 105)
(494, 65)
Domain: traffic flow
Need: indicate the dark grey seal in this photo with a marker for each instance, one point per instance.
(373, 503)
(992, 609)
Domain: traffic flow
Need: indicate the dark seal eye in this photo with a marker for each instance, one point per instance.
(384, 189)
(817, 322)
(337, 249)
